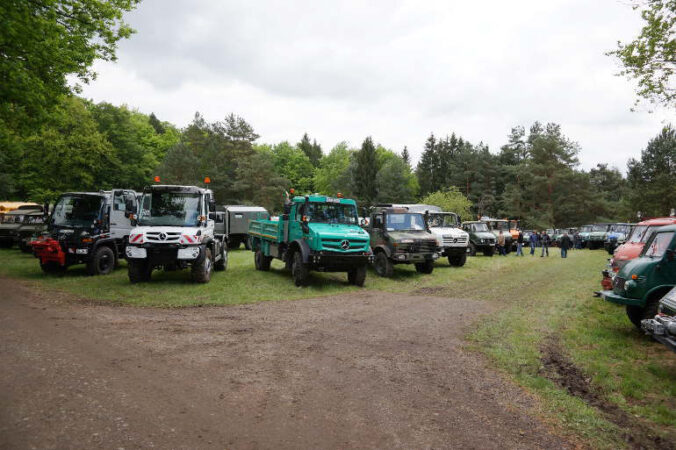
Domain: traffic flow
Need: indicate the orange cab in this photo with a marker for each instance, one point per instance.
(632, 248)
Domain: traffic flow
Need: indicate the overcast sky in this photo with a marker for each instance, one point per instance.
(394, 70)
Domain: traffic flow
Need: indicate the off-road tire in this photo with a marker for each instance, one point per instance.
(222, 264)
(383, 265)
(457, 260)
(25, 248)
(247, 244)
(637, 313)
(201, 272)
(234, 244)
(425, 267)
(490, 251)
(52, 267)
(261, 261)
(472, 249)
(138, 271)
(357, 276)
(299, 270)
(508, 248)
(101, 262)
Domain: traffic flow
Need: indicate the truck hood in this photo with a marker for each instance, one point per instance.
(338, 230)
(485, 235)
(412, 235)
(597, 234)
(448, 231)
(166, 235)
(628, 251)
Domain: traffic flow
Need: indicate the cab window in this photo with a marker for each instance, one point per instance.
(656, 247)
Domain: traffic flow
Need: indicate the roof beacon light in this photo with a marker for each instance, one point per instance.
(339, 195)
(156, 179)
(207, 180)
(292, 191)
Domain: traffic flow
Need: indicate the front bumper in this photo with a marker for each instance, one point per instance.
(408, 258)
(612, 297)
(339, 262)
(450, 251)
(662, 329)
(159, 255)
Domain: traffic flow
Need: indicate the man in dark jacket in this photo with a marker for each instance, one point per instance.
(519, 244)
(533, 241)
(565, 245)
(545, 240)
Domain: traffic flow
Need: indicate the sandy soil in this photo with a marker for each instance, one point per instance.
(366, 370)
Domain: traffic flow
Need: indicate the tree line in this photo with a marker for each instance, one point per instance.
(82, 145)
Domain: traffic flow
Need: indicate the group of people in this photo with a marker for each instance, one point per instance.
(541, 239)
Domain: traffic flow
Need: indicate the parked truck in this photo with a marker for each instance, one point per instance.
(86, 228)
(453, 240)
(662, 327)
(174, 230)
(617, 235)
(498, 225)
(12, 221)
(316, 232)
(401, 236)
(597, 235)
(481, 239)
(643, 281)
(235, 223)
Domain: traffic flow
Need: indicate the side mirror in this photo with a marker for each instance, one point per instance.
(212, 216)
(129, 207)
(670, 254)
(212, 205)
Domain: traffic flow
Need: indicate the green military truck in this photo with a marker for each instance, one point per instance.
(585, 231)
(315, 232)
(401, 236)
(33, 225)
(481, 239)
(643, 281)
(597, 236)
(12, 221)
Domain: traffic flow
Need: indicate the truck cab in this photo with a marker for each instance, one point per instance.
(86, 228)
(31, 228)
(401, 236)
(316, 232)
(584, 232)
(617, 235)
(481, 239)
(597, 235)
(642, 282)
(175, 229)
(12, 221)
(498, 225)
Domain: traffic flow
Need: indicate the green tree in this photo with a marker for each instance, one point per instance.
(650, 59)
(311, 149)
(395, 182)
(406, 157)
(333, 174)
(366, 170)
(258, 183)
(450, 200)
(293, 164)
(652, 177)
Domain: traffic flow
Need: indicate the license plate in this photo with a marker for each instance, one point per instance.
(81, 251)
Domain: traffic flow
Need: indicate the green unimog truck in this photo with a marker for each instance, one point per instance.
(315, 232)
(584, 232)
(643, 281)
(12, 221)
(401, 236)
(480, 238)
(597, 236)
(33, 225)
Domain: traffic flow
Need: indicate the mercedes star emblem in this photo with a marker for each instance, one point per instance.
(345, 244)
(163, 236)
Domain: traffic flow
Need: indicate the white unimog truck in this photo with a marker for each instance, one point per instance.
(175, 230)
(452, 239)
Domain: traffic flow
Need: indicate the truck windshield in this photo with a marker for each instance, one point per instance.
(586, 229)
(12, 218)
(640, 234)
(170, 209)
(656, 247)
(331, 213)
(405, 221)
(600, 228)
(479, 227)
(619, 228)
(499, 225)
(30, 220)
(443, 220)
(77, 211)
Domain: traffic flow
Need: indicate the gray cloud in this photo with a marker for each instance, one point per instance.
(396, 70)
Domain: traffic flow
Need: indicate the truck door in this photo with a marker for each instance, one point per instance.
(119, 224)
(295, 219)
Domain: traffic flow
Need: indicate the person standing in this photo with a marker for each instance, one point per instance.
(519, 244)
(533, 241)
(501, 243)
(578, 240)
(565, 245)
(545, 241)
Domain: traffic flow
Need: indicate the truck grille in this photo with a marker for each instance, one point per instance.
(170, 236)
(449, 240)
(422, 246)
(339, 245)
(618, 282)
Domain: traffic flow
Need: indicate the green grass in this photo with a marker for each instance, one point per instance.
(532, 298)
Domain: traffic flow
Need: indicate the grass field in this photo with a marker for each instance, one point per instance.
(541, 305)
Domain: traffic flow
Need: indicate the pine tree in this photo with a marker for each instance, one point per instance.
(366, 171)
(406, 157)
(311, 149)
(426, 169)
(156, 124)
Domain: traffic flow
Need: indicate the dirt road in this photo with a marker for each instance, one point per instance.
(368, 370)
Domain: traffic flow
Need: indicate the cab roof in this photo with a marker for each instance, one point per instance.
(317, 198)
(176, 188)
(658, 221)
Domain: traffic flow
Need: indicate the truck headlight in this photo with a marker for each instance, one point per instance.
(629, 284)
(188, 253)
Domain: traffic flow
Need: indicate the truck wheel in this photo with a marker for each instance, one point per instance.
(490, 251)
(201, 272)
(102, 262)
(637, 313)
(426, 267)
(261, 261)
(138, 271)
(234, 244)
(457, 260)
(299, 270)
(52, 267)
(508, 249)
(357, 276)
(472, 249)
(222, 264)
(383, 265)
(247, 244)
